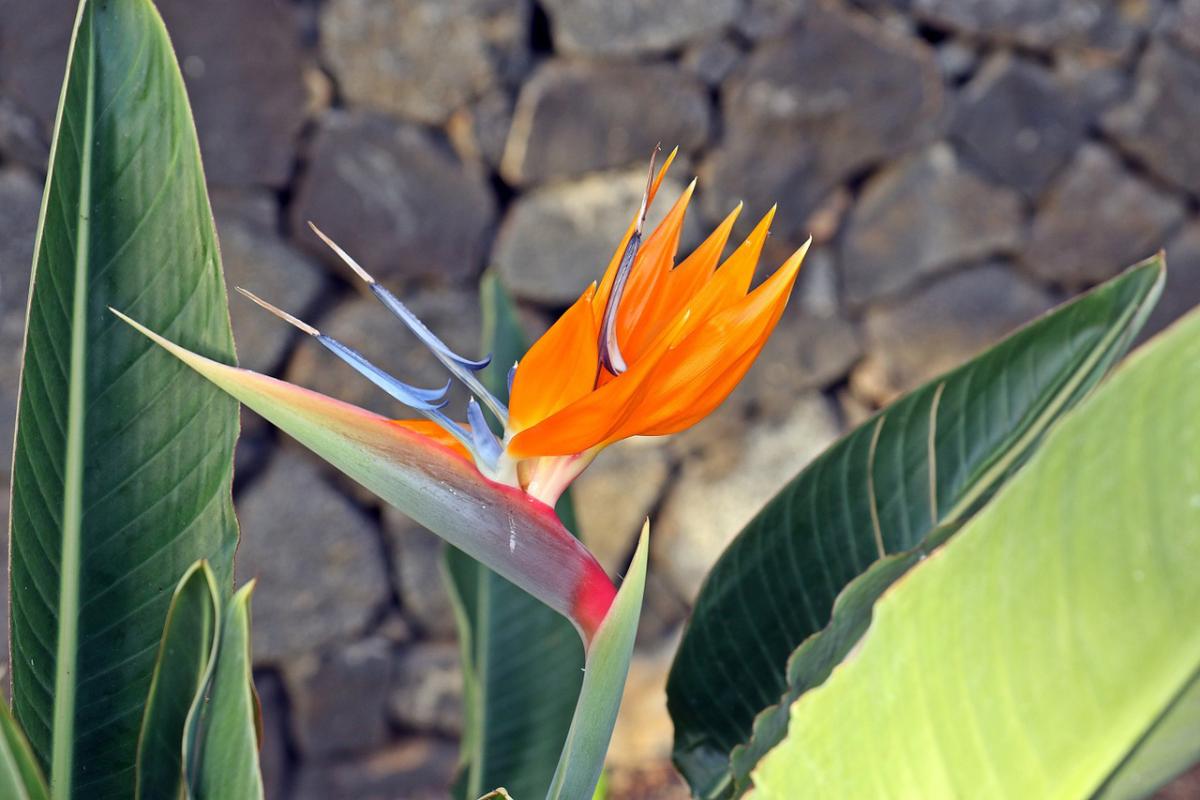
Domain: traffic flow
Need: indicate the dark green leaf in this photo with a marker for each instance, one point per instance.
(123, 461)
(20, 777)
(927, 461)
(523, 663)
(189, 641)
(222, 755)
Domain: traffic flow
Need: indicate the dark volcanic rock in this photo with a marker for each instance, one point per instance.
(339, 700)
(273, 752)
(255, 258)
(417, 575)
(915, 339)
(480, 131)
(242, 63)
(624, 27)
(1182, 23)
(712, 59)
(22, 138)
(921, 215)
(412, 768)
(20, 202)
(807, 110)
(1017, 122)
(558, 239)
(396, 198)
(1182, 291)
(422, 59)
(766, 18)
(1159, 122)
(244, 69)
(1097, 220)
(34, 40)
(573, 118)
(317, 560)
(1096, 24)
(427, 691)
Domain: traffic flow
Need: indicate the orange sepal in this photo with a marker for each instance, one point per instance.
(700, 372)
(642, 299)
(730, 282)
(591, 419)
(431, 430)
(684, 281)
(559, 369)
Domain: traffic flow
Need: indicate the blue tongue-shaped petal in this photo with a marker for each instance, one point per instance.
(411, 396)
(428, 402)
(486, 444)
(462, 368)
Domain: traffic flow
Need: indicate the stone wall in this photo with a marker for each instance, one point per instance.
(962, 166)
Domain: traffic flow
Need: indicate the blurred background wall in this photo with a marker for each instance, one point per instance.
(962, 166)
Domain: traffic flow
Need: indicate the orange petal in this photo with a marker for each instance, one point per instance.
(610, 274)
(727, 286)
(640, 305)
(559, 368)
(730, 282)
(697, 375)
(683, 282)
(431, 430)
(590, 420)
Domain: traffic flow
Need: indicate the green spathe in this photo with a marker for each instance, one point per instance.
(607, 666)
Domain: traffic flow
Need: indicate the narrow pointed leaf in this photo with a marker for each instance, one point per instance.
(522, 663)
(20, 776)
(1040, 647)
(515, 535)
(189, 642)
(926, 462)
(123, 460)
(606, 668)
(222, 761)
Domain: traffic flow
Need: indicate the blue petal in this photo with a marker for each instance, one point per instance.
(427, 337)
(412, 396)
(485, 443)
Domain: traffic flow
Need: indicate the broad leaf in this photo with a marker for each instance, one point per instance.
(1165, 748)
(1051, 638)
(222, 757)
(189, 643)
(522, 663)
(20, 777)
(925, 462)
(123, 460)
(607, 666)
(517, 536)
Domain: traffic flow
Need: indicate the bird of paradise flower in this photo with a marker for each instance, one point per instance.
(650, 349)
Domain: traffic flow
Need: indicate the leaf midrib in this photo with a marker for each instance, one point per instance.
(993, 474)
(63, 733)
